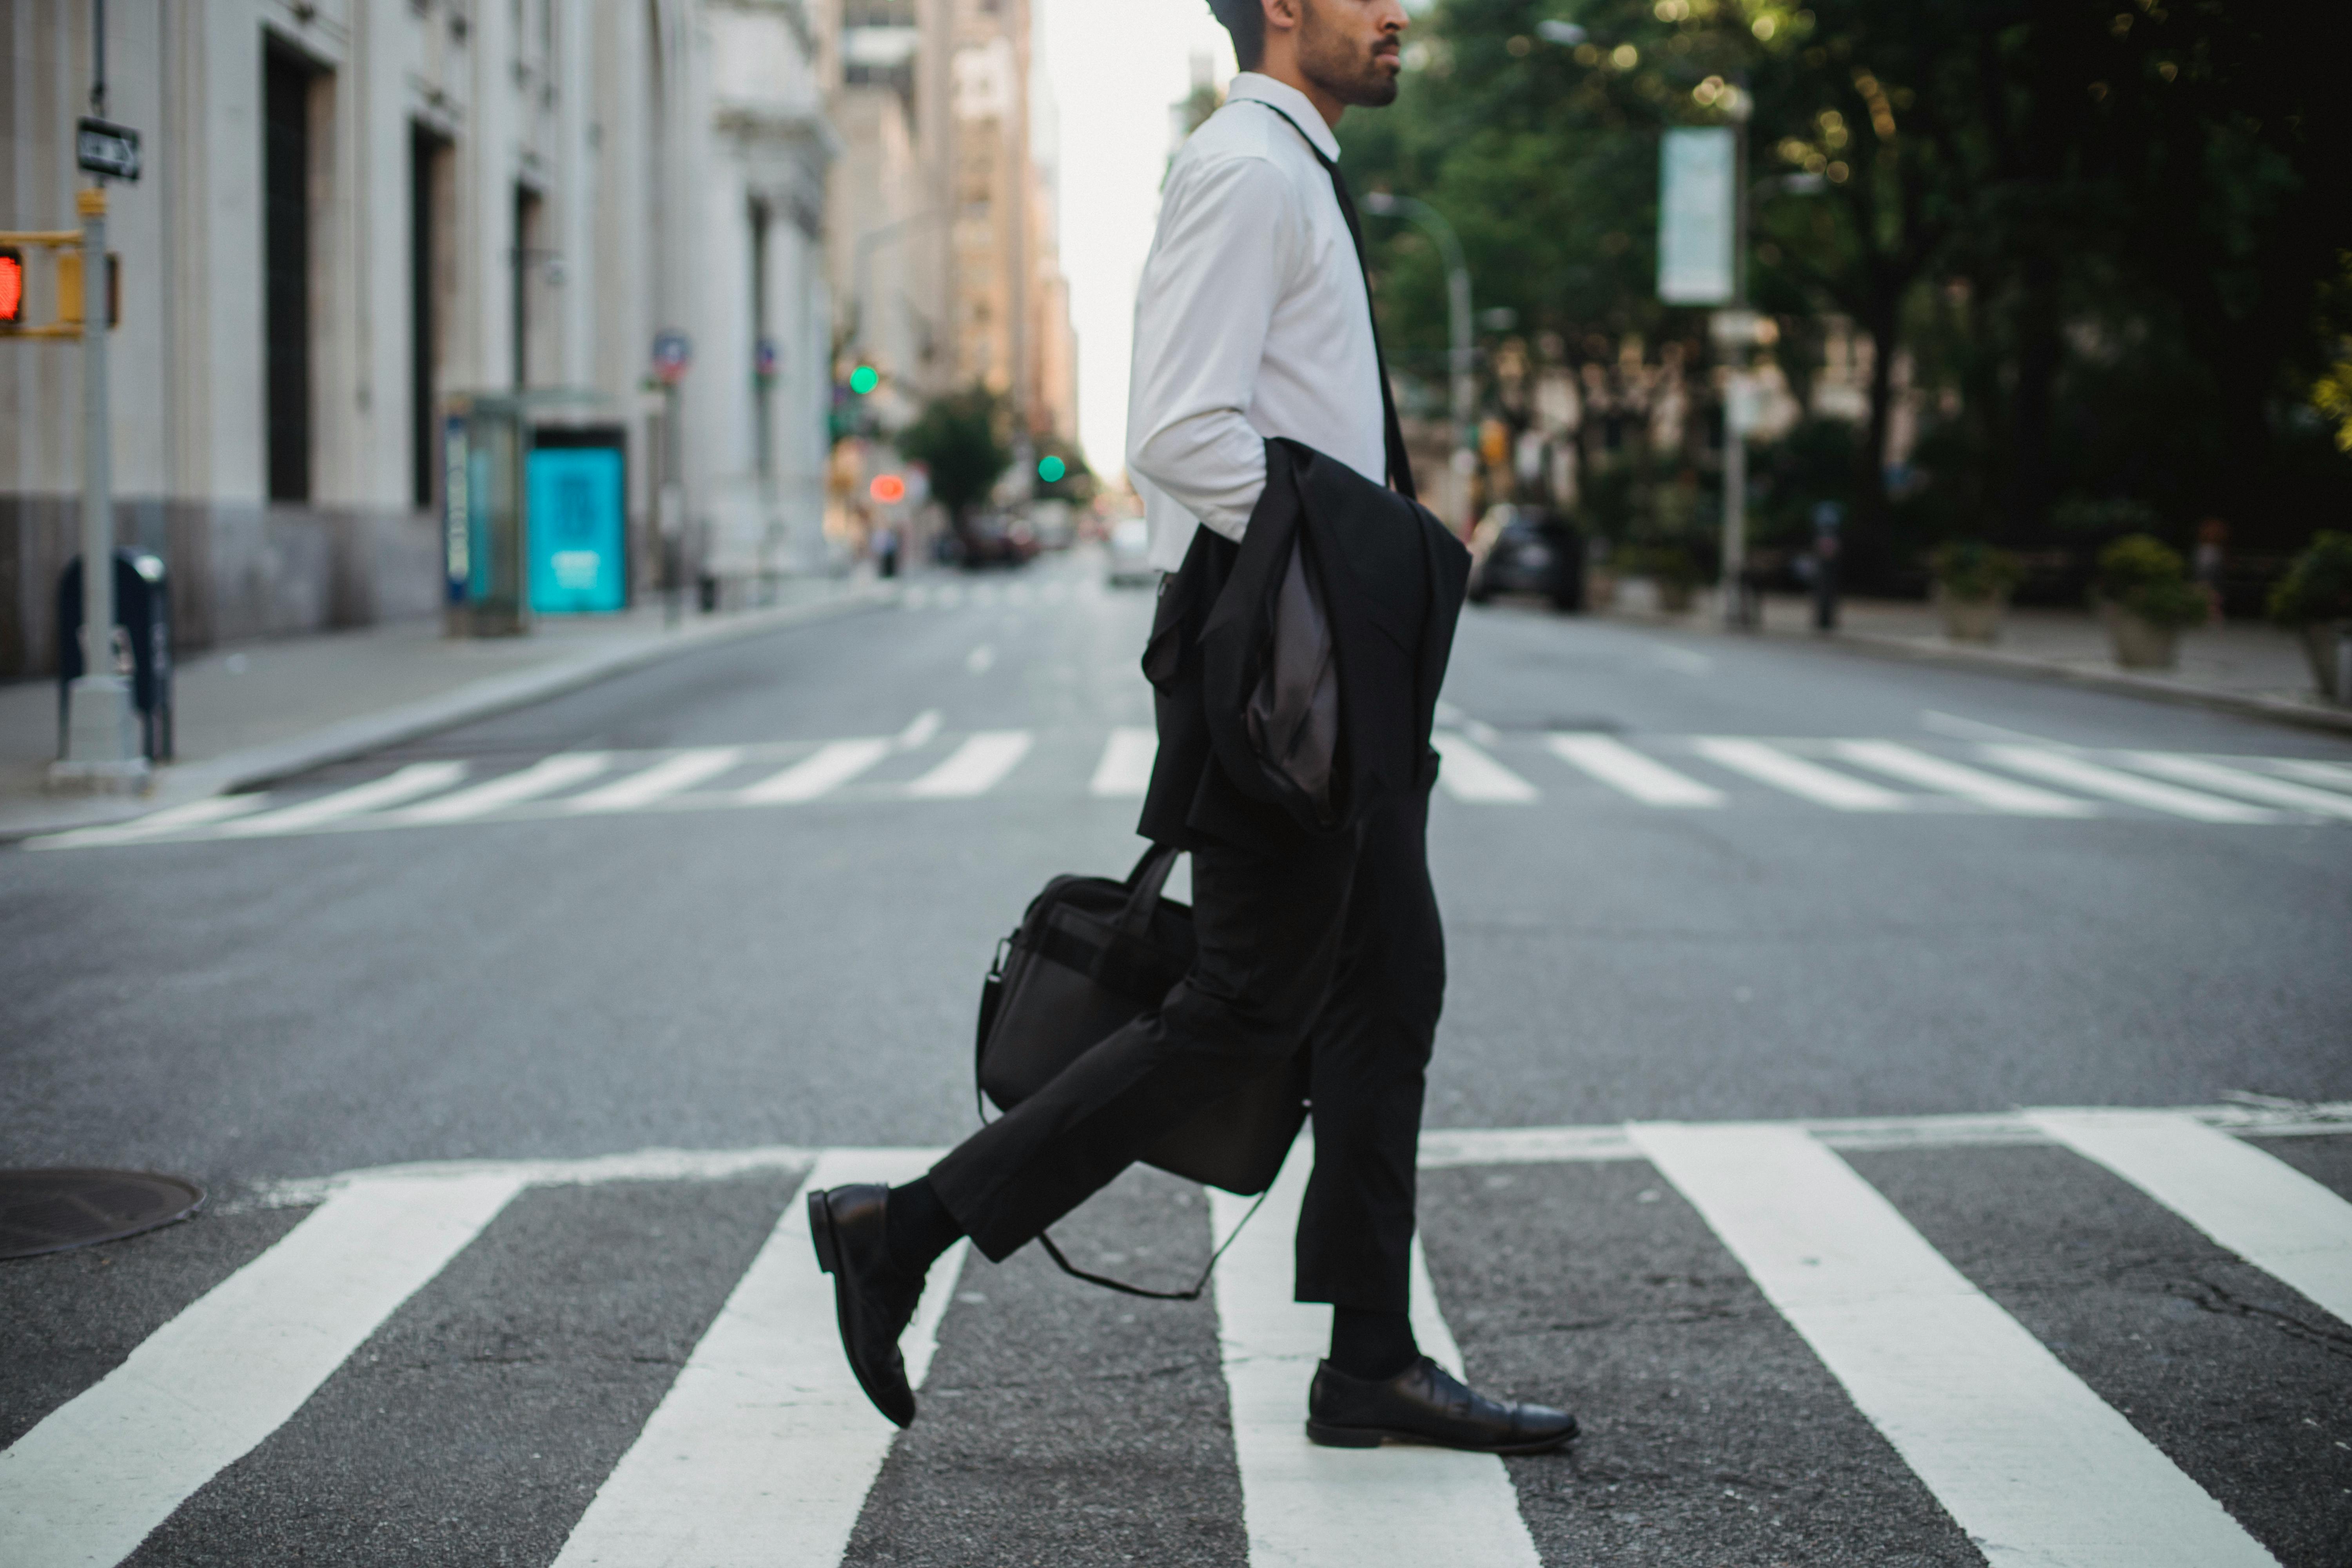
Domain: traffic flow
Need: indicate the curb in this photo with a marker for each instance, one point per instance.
(261, 765)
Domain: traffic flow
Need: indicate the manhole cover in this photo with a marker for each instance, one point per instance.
(54, 1211)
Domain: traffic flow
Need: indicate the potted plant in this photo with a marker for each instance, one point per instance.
(2145, 593)
(2313, 600)
(1973, 582)
(1672, 568)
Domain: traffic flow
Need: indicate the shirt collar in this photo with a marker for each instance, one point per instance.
(1291, 102)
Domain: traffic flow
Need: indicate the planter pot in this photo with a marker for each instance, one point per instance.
(2142, 644)
(2324, 643)
(1971, 620)
(1601, 589)
(1673, 598)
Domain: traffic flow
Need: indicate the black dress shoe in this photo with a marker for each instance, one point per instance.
(871, 1295)
(1426, 1403)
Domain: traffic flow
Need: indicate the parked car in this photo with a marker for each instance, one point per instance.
(1131, 549)
(994, 540)
(1527, 549)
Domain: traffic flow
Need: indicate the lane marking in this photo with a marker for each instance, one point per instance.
(1989, 790)
(1349, 1508)
(393, 789)
(674, 775)
(86, 1486)
(2338, 774)
(1124, 769)
(1621, 767)
(173, 819)
(1809, 781)
(982, 659)
(919, 732)
(2220, 776)
(975, 767)
(823, 771)
(1470, 774)
(544, 777)
(2037, 1469)
(764, 1448)
(2115, 784)
(2258, 1206)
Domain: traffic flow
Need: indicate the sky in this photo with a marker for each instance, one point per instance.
(1115, 69)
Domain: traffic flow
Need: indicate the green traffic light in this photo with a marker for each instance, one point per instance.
(1051, 469)
(865, 379)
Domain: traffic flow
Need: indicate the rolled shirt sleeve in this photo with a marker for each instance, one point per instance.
(1225, 246)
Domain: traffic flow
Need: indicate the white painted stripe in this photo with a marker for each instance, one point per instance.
(393, 789)
(2262, 1209)
(88, 1484)
(1989, 790)
(1017, 594)
(763, 1451)
(542, 778)
(1811, 781)
(2059, 767)
(950, 596)
(915, 598)
(1470, 773)
(672, 775)
(919, 730)
(1126, 766)
(1621, 767)
(2220, 776)
(2336, 775)
(982, 659)
(1054, 592)
(820, 773)
(175, 820)
(1348, 1508)
(975, 767)
(2037, 1469)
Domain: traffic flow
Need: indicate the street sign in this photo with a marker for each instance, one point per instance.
(673, 353)
(765, 359)
(106, 149)
(1696, 218)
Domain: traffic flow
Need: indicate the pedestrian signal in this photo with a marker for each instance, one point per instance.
(1052, 469)
(12, 287)
(888, 489)
(865, 379)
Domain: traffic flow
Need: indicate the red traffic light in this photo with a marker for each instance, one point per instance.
(12, 287)
(888, 489)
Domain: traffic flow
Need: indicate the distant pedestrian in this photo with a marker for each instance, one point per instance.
(2209, 564)
(1259, 400)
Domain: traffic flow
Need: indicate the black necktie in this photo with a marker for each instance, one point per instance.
(1392, 432)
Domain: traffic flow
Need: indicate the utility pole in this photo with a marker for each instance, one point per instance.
(1464, 354)
(1737, 334)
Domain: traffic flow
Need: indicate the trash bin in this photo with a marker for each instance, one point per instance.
(143, 618)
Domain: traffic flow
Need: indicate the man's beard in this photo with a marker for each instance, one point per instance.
(1353, 75)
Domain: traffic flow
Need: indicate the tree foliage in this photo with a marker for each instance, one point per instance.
(965, 440)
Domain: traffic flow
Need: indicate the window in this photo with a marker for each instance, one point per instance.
(285, 271)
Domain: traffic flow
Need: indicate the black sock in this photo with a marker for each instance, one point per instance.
(1374, 1346)
(918, 1227)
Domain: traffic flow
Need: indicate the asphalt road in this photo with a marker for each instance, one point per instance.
(1685, 878)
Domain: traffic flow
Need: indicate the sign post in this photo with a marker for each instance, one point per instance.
(673, 357)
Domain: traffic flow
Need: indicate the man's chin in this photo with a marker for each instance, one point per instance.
(1376, 89)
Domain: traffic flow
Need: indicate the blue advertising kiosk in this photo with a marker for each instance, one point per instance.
(534, 511)
(576, 489)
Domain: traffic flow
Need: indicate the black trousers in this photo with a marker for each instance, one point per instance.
(1332, 947)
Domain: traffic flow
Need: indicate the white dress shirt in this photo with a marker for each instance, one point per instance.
(1250, 322)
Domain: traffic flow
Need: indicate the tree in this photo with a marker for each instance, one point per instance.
(965, 440)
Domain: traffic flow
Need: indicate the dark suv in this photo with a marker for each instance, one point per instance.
(1527, 549)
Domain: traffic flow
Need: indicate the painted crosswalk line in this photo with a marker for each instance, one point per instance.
(764, 1448)
(2336, 775)
(551, 775)
(1808, 781)
(648, 786)
(1468, 772)
(196, 813)
(2093, 778)
(1124, 769)
(86, 1486)
(1988, 790)
(2260, 1207)
(411, 783)
(2038, 1469)
(1621, 767)
(822, 772)
(1348, 1508)
(2222, 779)
(975, 767)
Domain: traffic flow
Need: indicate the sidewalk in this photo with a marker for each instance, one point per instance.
(2244, 667)
(251, 713)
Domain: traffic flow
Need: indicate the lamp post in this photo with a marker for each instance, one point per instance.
(1463, 356)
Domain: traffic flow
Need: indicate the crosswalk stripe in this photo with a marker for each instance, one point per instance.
(2260, 1207)
(823, 771)
(415, 780)
(219, 809)
(1124, 769)
(544, 777)
(2035, 1466)
(88, 1484)
(1621, 767)
(1989, 790)
(673, 775)
(2239, 781)
(764, 1448)
(2075, 773)
(1348, 1508)
(975, 767)
(2338, 774)
(1770, 765)
(1470, 773)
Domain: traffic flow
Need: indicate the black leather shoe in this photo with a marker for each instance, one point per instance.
(871, 1295)
(1426, 1403)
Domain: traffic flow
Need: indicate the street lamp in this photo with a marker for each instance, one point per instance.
(1457, 299)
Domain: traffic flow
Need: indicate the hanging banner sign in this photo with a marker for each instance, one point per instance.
(1696, 217)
